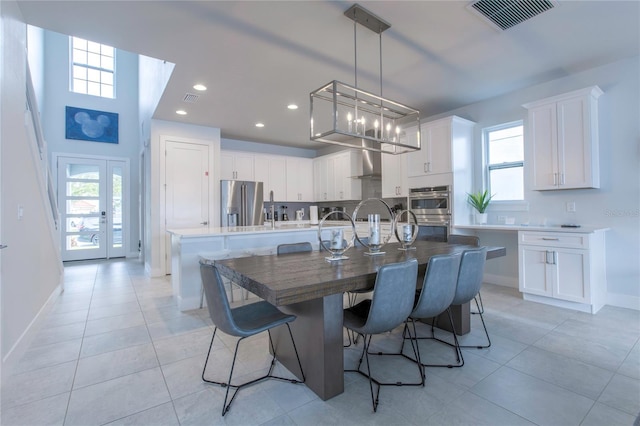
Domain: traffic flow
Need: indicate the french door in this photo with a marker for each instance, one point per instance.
(91, 200)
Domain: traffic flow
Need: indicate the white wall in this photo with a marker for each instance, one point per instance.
(155, 254)
(615, 205)
(153, 75)
(30, 270)
(57, 96)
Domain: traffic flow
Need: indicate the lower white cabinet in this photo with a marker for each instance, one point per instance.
(564, 269)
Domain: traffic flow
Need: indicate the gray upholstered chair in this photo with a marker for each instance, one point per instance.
(242, 322)
(435, 297)
(390, 305)
(294, 248)
(469, 282)
(468, 240)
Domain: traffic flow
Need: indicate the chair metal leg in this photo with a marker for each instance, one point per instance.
(485, 332)
(375, 397)
(481, 309)
(226, 406)
(456, 346)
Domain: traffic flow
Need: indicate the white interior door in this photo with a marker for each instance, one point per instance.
(92, 199)
(186, 188)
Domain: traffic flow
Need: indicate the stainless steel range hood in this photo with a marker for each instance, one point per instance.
(371, 163)
(371, 177)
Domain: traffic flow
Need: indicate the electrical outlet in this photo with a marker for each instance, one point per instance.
(502, 219)
(20, 212)
(571, 206)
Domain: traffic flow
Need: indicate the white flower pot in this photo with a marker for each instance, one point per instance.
(481, 218)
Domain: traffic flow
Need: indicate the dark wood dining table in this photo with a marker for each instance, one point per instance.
(310, 287)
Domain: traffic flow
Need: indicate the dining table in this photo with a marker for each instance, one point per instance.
(311, 287)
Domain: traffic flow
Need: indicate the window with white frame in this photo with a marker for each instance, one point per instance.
(504, 148)
(92, 68)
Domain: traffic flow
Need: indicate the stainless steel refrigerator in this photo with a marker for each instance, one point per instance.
(240, 203)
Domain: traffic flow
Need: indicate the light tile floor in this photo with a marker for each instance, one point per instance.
(115, 350)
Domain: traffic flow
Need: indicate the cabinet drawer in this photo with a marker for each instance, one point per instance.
(554, 239)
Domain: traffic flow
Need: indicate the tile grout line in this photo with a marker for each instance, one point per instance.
(153, 345)
(75, 372)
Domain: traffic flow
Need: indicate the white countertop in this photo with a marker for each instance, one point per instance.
(291, 226)
(550, 228)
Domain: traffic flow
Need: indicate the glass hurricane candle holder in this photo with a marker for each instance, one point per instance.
(406, 232)
(376, 238)
(336, 244)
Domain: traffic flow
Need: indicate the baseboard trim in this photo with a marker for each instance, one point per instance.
(22, 344)
(502, 280)
(623, 301)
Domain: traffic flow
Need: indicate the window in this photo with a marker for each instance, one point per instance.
(504, 148)
(92, 68)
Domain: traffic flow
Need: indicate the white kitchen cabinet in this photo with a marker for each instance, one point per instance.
(236, 165)
(435, 155)
(563, 269)
(299, 179)
(333, 176)
(562, 141)
(446, 159)
(321, 179)
(272, 172)
(394, 175)
(347, 164)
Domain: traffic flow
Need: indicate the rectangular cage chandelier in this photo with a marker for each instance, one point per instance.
(342, 114)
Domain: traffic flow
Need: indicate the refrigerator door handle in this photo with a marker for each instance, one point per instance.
(243, 205)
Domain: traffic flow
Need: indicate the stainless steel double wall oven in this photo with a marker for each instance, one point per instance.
(432, 207)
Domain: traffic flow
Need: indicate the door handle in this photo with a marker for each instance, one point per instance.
(204, 223)
(2, 246)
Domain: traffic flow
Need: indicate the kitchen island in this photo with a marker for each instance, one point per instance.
(188, 246)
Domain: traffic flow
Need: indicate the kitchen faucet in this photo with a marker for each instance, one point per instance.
(271, 210)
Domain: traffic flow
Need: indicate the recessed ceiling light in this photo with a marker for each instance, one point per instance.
(292, 106)
(200, 87)
(259, 124)
(181, 112)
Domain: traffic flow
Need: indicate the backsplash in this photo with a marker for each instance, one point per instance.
(371, 207)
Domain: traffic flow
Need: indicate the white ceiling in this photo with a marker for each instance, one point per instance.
(257, 57)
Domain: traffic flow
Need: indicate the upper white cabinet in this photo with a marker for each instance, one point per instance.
(562, 141)
(272, 172)
(394, 175)
(347, 164)
(438, 139)
(299, 179)
(236, 165)
(290, 178)
(333, 176)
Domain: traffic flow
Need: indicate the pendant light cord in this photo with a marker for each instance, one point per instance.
(380, 34)
(355, 51)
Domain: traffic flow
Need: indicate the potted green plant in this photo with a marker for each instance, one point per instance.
(480, 201)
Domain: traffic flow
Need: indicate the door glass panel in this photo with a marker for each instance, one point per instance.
(83, 189)
(83, 171)
(116, 218)
(83, 206)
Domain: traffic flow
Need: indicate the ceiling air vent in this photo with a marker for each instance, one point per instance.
(504, 14)
(191, 98)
